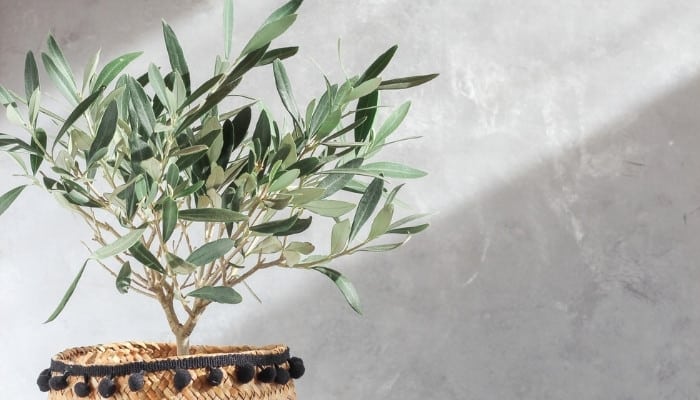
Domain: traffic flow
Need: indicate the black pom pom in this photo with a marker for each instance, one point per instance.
(215, 377)
(296, 367)
(181, 379)
(107, 387)
(245, 373)
(43, 380)
(58, 382)
(267, 375)
(136, 381)
(281, 376)
(82, 389)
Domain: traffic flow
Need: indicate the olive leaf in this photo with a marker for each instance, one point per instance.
(344, 285)
(67, 295)
(118, 246)
(31, 75)
(170, 215)
(123, 281)
(366, 206)
(113, 68)
(176, 55)
(210, 252)
(212, 215)
(8, 198)
(217, 294)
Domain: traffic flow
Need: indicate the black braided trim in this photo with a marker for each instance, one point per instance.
(165, 365)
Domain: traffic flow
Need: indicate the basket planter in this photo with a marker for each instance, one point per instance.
(154, 371)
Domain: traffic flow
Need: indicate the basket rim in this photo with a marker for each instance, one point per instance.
(201, 357)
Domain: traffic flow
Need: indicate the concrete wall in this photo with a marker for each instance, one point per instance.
(562, 140)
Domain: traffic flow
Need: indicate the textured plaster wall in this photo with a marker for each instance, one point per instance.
(562, 140)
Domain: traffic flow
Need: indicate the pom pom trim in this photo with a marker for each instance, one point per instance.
(266, 368)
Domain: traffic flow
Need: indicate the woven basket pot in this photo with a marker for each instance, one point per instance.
(154, 371)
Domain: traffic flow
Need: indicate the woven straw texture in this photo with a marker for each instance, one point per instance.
(159, 385)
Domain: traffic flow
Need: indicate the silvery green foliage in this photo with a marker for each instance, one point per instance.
(149, 159)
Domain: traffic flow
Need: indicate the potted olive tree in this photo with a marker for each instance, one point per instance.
(188, 196)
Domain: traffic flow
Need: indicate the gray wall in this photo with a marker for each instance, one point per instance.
(562, 141)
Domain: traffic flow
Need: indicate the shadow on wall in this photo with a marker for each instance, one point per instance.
(577, 280)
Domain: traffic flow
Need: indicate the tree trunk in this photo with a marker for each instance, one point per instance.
(183, 344)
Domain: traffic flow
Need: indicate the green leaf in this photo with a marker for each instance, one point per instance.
(407, 219)
(64, 83)
(67, 296)
(113, 68)
(382, 247)
(345, 286)
(60, 61)
(299, 226)
(140, 150)
(228, 27)
(284, 180)
(210, 252)
(31, 75)
(287, 9)
(306, 165)
(363, 89)
(335, 182)
(377, 66)
(268, 32)
(217, 294)
(13, 116)
(212, 215)
(392, 122)
(105, 132)
(172, 176)
(408, 82)
(269, 245)
(392, 195)
(329, 124)
(284, 88)
(75, 114)
(145, 257)
(320, 113)
(351, 172)
(305, 248)
(33, 107)
(281, 53)
(169, 217)
(214, 98)
(273, 227)
(409, 230)
(329, 208)
(118, 246)
(394, 170)
(263, 133)
(123, 281)
(8, 198)
(16, 143)
(38, 143)
(367, 110)
(175, 54)
(203, 88)
(366, 206)
(188, 151)
(188, 190)
(345, 130)
(381, 222)
(340, 235)
(307, 194)
(158, 85)
(90, 69)
(142, 105)
(178, 265)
